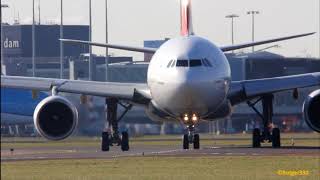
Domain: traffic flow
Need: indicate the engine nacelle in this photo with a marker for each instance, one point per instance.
(55, 118)
(311, 110)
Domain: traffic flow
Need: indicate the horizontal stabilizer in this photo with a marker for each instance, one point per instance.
(241, 46)
(112, 46)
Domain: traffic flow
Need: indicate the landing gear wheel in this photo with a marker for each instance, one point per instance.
(125, 141)
(105, 141)
(196, 141)
(256, 143)
(185, 141)
(276, 138)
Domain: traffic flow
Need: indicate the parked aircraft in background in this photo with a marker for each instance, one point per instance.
(17, 106)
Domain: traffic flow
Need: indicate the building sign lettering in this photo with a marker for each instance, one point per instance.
(11, 44)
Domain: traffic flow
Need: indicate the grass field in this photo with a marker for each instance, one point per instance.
(157, 167)
(140, 168)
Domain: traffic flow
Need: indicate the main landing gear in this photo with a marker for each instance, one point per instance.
(269, 133)
(111, 135)
(191, 137)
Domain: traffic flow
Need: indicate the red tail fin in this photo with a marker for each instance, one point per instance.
(186, 18)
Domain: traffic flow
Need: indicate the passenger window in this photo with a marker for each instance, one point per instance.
(169, 64)
(182, 63)
(194, 63)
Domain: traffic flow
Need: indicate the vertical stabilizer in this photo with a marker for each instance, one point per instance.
(186, 18)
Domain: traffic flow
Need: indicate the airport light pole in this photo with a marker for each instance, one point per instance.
(61, 43)
(107, 40)
(33, 42)
(253, 13)
(90, 39)
(39, 9)
(232, 16)
(2, 60)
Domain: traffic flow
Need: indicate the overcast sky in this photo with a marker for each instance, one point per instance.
(132, 21)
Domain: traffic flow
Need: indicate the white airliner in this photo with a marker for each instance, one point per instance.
(189, 80)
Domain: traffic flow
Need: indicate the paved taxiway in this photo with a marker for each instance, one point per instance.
(52, 153)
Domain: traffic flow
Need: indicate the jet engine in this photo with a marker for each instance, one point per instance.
(311, 110)
(55, 118)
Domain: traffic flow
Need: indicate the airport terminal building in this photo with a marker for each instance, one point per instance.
(17, 40)
(17, 51)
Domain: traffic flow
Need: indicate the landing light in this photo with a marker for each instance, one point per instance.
(194, 118)
(186, 118)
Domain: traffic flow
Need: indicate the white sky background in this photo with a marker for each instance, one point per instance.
(132, 21)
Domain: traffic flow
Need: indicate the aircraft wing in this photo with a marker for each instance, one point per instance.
(241, 91)
(112, 46)
(133, 92)
(241, 46)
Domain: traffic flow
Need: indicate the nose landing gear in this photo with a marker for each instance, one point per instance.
(191, 138)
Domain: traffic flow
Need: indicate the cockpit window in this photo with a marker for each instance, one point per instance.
(190, 63)
(169, 64)
(195, 62)
(207, 63)
(173, 63)
(182, 63)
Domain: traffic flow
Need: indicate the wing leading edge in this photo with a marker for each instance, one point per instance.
(241, 91)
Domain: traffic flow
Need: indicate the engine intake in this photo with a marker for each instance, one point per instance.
(55, 118)
(311, 110)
